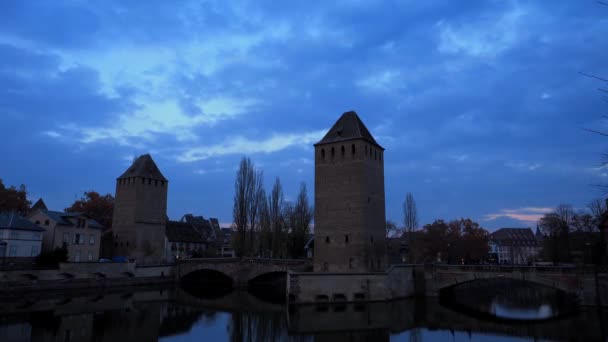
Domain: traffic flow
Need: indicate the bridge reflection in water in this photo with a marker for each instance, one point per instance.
(174, 314)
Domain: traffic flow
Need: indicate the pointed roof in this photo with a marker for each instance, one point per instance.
(39, 205)
(143, 167)
(348, 127)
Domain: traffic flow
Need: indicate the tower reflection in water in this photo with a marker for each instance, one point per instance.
(176, 315)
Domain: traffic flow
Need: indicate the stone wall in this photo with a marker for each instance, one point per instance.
(400, 281)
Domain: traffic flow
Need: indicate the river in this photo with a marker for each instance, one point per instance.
(173, 314)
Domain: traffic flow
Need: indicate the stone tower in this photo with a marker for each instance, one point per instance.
(349, 199)
(140, 212)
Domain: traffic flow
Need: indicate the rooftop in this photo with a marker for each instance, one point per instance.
(12, 220)
(143, 167)
(348, 127)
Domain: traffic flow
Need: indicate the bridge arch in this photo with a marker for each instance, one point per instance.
(446, 278)
(207, 277)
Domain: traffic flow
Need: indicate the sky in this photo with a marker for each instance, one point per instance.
(480, 104)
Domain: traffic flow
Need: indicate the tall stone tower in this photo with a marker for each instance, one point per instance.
(350, 216)
(140, 212)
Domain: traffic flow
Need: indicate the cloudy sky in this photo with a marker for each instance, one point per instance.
(479, 104)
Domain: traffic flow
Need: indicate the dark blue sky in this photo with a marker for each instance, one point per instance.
(479, 104)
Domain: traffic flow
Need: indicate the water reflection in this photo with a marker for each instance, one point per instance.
(509, 299)
(173, 315)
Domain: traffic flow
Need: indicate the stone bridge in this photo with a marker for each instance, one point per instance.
(240, 270)
(586, 284)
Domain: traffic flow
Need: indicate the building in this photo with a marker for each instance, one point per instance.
(183, 241)
(19, 237)
(80, 233)
(349, 199)
(226, 249)
(513, 246)
(140, 212)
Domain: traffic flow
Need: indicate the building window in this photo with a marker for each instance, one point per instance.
(333, 152)
(143, 181)
(353, 149)
(90, 256)
(325, 266)
(12, 251)
(350, 262)
(14, 234)
(322, 153)
(342, 150)
(92, 239)
(46, 222)
(37, 222)
(35, 250)
(78, 239)
(162, 183)
(66, 237)
(36, 236)
(365, 149)
(327, 239)
(150, 181)
(77, 257)
(155, 183)
(345, 238)
(371, 238)
(380, 156)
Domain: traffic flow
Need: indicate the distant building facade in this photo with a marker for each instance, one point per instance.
(19, 237)
(80, 233)
(140, 212)
(517, 246)
(225, 242)
(349, 199)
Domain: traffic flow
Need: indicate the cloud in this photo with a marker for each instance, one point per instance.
(165, 118)
(523, 165)
(242, 145)
(526, 215)
(484, 37)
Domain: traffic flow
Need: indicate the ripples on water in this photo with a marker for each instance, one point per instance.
(173, 315)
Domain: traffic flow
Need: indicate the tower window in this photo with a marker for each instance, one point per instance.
(350, 262)
(345, 238)
(162, 183)
(333, 152)
(342, 151)
(327, 239)
(323, 153)
(371, 238)
(150, 181)
(380, 156)
(353, 149)
(365, 149)
(143, 181)
(155, 182)
(375, 155)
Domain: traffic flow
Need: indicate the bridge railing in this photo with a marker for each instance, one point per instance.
(516, 268)
(258, 261)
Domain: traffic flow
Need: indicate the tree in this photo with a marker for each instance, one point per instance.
(13, 199)
(276, 210)
(248, 190)
(556, 226)
(410, 217)
(299, 217)
(460, 240)
(99, 208)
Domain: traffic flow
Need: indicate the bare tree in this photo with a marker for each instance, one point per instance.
(299, 217)
(410, 214)
(248, 188)
(410, 218)
(275, 209)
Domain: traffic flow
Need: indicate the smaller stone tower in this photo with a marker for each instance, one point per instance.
(349, 199)
(140, 212)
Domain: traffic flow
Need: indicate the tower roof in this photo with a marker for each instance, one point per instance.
(348, 127)
(39, 205)
(143, 167)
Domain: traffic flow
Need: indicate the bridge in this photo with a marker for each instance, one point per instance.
(240, 271)
(588, 284)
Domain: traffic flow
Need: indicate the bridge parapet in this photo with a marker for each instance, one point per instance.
(240, 270)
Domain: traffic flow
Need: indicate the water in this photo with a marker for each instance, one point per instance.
(173, 315)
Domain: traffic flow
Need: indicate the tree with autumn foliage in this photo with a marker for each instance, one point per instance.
(96, 206)
(456, 241)
(14, 199)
